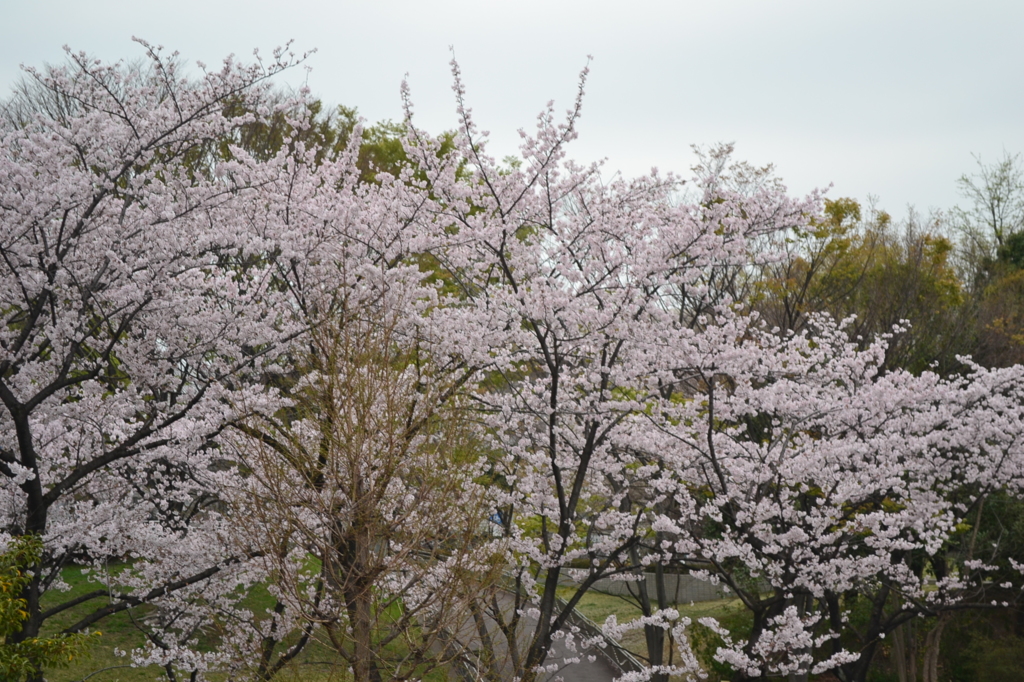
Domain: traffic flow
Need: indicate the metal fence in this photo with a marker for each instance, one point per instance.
(619, 657)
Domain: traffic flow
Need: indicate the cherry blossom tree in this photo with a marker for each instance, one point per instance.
(797, 473)
(146, 292)
(563, 285)
(629, 401)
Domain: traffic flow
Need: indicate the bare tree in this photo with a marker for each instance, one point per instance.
(996, 211)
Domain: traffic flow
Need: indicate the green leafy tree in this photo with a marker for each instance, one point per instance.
(28, 657)
(1000, 305)
(821, 267)
(324, 131)
(880, 274)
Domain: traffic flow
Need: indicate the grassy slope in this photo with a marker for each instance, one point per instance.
(119, 632)
(316, 664)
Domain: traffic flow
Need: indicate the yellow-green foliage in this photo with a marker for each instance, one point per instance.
(22, 659)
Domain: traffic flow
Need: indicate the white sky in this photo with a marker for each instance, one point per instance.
(882, 97)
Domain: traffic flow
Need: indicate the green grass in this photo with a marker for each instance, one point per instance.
(118, 632)
(316, 663)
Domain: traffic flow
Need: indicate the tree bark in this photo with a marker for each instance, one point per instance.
(904, 651)
(932, 642)
(654, 636)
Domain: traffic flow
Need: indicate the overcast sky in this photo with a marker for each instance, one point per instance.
(882, 97)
